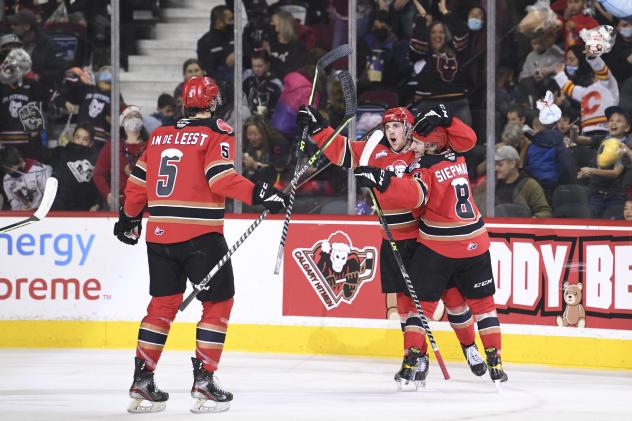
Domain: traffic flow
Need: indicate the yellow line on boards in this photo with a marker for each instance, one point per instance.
(530, 349)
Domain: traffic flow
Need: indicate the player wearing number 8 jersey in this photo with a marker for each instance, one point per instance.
(452, 242)
(184, 176)
(393, 155)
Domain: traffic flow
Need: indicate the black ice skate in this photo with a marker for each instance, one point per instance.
(414, 368)
(474, 359)
(146, 397)
(495, 365)
(206, 389)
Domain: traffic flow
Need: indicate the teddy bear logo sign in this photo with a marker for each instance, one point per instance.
(574, 313)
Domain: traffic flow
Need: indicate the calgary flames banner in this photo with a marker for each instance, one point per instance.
(556, 275)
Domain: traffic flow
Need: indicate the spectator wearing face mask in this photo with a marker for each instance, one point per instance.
(382, 58)
(132, 144)
(73, 165)
(216, 48)
(476, 19)
(619, 59)
(24, 179)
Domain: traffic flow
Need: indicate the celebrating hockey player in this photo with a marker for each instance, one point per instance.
(183, 177)
(393, 154)
(452, 249)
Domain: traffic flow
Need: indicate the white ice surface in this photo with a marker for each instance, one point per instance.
(92, 385)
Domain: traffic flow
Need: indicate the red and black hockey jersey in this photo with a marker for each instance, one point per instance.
(184, 176)
(346, 153)
(449, 221)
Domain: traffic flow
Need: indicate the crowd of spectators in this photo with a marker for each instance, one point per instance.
(415, 53)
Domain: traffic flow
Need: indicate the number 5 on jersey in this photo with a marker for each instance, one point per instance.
(168, 171)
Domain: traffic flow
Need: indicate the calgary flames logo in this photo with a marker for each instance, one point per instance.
(335, 269)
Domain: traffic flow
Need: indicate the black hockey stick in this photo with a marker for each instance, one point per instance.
(47, 201)
(364, 159)
(335, 54)
(202, 285)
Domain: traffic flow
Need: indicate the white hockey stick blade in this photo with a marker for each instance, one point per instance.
(371, 143)
(50, 191)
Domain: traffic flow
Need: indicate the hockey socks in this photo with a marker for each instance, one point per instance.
(211, 332)
(459, 316)
(484, 311)
(154, 328)
(414, 334)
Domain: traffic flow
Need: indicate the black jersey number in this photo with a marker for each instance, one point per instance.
(168, 171)
(463, 207)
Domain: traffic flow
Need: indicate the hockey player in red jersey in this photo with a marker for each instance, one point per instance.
(183, 177)
(452, 244)
(393, 154)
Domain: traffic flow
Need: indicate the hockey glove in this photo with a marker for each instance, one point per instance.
(272, 199)
(439, 115)
(128, 229)
(372, 177)
(309, 117)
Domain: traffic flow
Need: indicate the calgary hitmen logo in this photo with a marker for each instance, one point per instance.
(335, 269)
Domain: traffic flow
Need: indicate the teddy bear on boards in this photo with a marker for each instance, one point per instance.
(574, 313)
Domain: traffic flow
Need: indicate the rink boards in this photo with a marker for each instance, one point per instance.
(67, 282)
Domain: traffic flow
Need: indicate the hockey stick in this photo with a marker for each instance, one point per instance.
(374, 139)
(47, 201)
(202, 285)
(335, 54)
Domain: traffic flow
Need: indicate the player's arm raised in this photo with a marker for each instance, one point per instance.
(342, 152)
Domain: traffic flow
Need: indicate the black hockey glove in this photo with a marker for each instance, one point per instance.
(309, 117)
(128, 229)
(439, 115)
(372, 177)
(273, 199)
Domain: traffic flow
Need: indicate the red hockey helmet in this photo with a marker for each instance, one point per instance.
(400, 114)
(200, 92)
(437, 137)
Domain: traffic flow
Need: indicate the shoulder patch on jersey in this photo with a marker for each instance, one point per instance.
(224, 126)
(380, 154)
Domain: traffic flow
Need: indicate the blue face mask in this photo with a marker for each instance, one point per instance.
(571, 70)
(474, 24)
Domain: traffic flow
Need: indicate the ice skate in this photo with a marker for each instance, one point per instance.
(208, 395)
(474, 359)
(146, 397)
(421, 372)
(496, 371)
(414, 368)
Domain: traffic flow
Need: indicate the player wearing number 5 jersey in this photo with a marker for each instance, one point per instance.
(183, 177)
(452, 242)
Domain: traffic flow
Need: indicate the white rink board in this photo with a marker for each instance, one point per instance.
(84, 249)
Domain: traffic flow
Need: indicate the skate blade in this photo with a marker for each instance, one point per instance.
(499, 385)
(420, 385)
(201, 406)
(143, 406)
